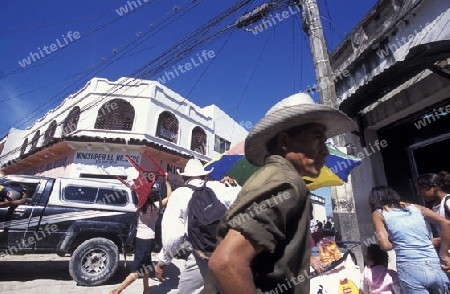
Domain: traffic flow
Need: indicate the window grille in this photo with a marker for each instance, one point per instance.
(198, 141)
(35, 139)
(71, 121)
(50, 132)
(116, 114)
(24, 147)
(167, 127)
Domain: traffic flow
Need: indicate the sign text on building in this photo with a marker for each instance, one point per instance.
(104, 158)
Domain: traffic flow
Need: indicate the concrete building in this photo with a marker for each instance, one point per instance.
(319, 210)
(392, 76)
(91, 131)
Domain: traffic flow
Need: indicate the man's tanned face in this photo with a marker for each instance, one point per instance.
(306, 150)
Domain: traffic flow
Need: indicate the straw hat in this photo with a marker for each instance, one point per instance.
(194, 168)
(296, 110)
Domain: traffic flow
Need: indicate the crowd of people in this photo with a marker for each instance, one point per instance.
(422, 254)
(402, 226)
(320, 231)
(262, 240)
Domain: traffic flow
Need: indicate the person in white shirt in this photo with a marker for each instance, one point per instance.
(175, 222)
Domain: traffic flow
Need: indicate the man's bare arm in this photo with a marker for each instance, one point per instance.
(230, 264)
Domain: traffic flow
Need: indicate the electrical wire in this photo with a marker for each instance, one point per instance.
(174, 54)
(110, 63)
(53, 24)
(78, 84)
(329, 17)
(130, 80)
(81, 37)
(205, 70)
(293, 54)
(255, 67)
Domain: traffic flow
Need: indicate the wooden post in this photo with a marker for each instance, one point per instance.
(342, 197)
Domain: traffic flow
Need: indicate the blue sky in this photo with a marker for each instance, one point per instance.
(325, 192)
(244, 75)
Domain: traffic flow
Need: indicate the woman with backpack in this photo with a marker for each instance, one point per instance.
(145, 236)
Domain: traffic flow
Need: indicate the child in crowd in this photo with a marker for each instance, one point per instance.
(377, 278)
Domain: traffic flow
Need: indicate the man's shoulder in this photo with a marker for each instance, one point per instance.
(277, 164)
(181, 192)
(278, 170)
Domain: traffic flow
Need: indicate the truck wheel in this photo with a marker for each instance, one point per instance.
(94, 262)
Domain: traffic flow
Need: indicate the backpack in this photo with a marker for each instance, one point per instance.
(204, 214)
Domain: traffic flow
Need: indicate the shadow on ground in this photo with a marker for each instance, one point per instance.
(24, 271)
(171, 274)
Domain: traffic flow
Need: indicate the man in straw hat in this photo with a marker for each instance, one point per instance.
(175, 224)
(265, 241)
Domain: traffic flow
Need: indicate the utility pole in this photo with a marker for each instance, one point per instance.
(324, 75)
(342, 197)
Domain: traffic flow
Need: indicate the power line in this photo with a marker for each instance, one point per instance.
(188, 44)
(53, 24)
(81, 37)
(255, 67)
(329, 17)
(293, 53)
(97, 69)
(130, 80)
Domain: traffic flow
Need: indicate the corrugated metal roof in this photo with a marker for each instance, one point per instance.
(418, 59)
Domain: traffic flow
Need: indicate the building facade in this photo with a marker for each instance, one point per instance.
(319, 211)
(91, 131)
(392, 76)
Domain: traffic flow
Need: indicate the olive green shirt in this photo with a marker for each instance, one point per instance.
(273, 212)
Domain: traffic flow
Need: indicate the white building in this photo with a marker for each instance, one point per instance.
(91, 131)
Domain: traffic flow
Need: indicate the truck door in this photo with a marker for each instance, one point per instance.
(24, 219)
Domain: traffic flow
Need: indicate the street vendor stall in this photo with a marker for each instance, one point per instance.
(341, 276)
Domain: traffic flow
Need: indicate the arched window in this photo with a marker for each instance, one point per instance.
(116, 114)
(50, 132)
(35, 139)
(24, 147)
(167, 127)
(71, 121)
(198, 141)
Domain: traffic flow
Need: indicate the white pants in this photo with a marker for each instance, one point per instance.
(191, 279)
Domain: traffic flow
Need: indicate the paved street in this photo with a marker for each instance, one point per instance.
(49, 274)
